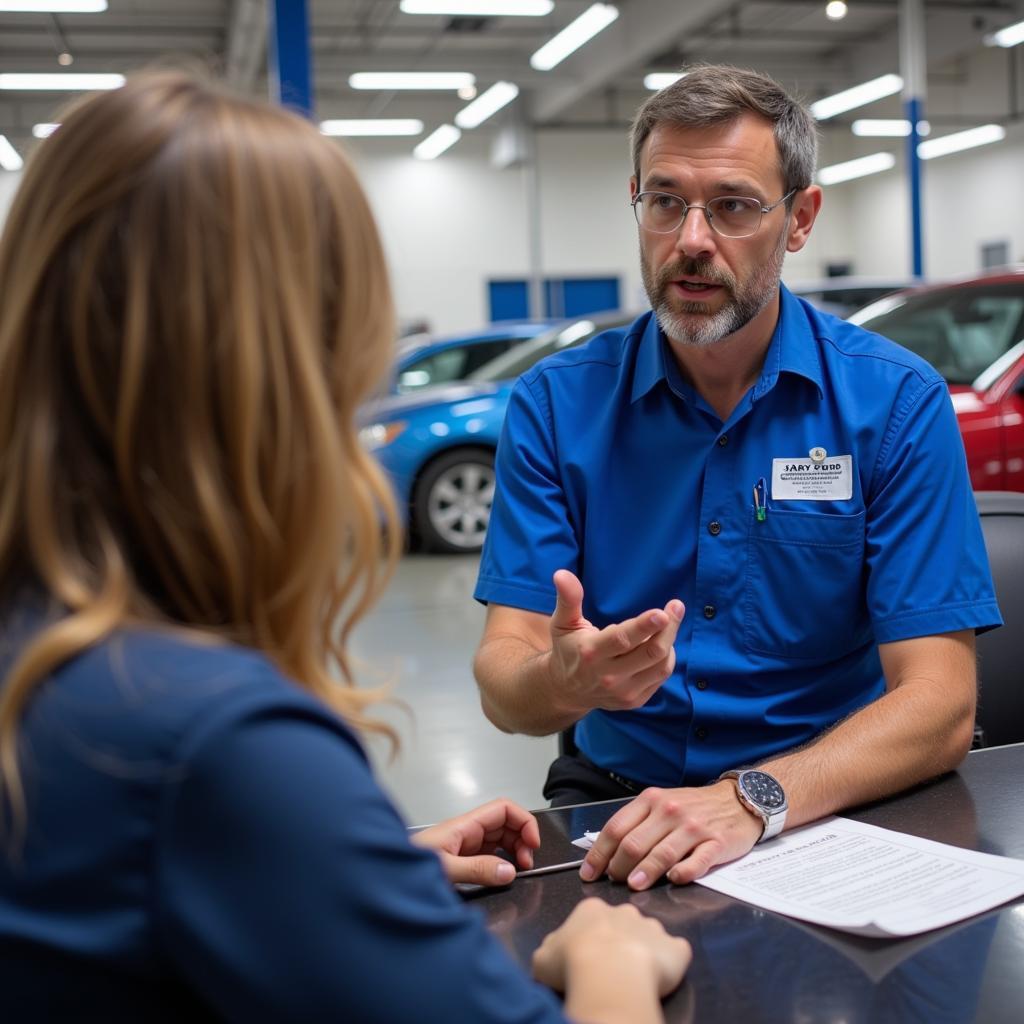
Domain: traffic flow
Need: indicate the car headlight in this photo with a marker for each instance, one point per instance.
(379, 435)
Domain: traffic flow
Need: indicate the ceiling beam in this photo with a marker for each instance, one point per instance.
(644, 29)
(245, 52)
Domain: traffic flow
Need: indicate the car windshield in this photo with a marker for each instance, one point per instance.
(960, 330)
(521, 357)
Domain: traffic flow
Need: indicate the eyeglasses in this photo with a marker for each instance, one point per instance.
(729, 216)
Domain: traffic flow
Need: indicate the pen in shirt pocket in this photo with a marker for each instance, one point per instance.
(760, 500)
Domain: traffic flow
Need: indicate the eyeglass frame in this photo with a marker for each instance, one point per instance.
(687, 207)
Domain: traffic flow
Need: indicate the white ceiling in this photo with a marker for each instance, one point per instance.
(599, 85)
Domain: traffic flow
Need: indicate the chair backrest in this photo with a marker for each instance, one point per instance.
(1001, 651)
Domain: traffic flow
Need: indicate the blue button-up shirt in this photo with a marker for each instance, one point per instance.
(611, 465)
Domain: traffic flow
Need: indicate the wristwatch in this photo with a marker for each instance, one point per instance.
(762, 794)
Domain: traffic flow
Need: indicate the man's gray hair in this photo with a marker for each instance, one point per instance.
(712, 94)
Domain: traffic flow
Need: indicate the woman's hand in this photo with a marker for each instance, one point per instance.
(466, 844)
(613, 963)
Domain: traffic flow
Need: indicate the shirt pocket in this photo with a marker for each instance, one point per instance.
(804, 585)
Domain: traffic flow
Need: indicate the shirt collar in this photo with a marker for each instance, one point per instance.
(793, 349)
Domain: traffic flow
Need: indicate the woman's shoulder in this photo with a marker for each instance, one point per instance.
(143, 691)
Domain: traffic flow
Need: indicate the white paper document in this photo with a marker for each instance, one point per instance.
(868, 880)
(586, 841)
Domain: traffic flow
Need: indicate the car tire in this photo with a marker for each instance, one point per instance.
(452, 503)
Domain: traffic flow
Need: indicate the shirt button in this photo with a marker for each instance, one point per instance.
(714, 527)
(723, 440)
(709, 611)
(702, 684)
(701, 733)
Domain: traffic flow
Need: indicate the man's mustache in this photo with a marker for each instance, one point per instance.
(703, 269)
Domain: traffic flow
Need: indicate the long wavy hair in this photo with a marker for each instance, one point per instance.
(194, 301)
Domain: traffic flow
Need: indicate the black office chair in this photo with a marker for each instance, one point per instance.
(567, 741)
(1001, 651)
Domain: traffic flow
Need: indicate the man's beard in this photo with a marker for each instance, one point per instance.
(688, 322)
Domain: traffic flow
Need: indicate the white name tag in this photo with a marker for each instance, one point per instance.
(804, 479)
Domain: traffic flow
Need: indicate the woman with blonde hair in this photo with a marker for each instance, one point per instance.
(193, 302)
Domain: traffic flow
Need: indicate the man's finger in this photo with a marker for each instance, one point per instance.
(607, 843)
(701, 860)
(623, 639)
(568, 613)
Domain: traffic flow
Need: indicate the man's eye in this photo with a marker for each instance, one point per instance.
(666, 202)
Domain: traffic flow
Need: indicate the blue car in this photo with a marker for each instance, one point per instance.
(437, 445)
(422, 360)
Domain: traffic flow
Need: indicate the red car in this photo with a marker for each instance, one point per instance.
(972, 332)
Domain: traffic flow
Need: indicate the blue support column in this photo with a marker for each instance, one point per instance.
(912, 70)
(913, 111)
(291, 73)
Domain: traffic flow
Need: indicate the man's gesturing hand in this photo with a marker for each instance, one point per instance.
(618, 667)
(679, 832)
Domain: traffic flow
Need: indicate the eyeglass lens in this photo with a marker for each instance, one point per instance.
(731, 216)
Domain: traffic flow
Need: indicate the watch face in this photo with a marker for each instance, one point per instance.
(762, 789)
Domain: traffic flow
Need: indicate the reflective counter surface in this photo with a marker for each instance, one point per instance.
(752, 965)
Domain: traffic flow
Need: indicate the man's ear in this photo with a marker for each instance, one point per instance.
(633, 188)
(806, 205)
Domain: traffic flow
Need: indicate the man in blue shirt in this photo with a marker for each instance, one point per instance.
(795, 484)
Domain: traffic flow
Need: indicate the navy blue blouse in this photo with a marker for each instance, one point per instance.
(206, 841)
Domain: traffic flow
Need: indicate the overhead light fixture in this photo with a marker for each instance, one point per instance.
(54, 6)
(453, 80)
(850, 169)
(858, 96)
(1012, 35)
(487, 103)
(48, 82)
(980, 136)
(888, 128)
(836, 10)
(479, 8)
(44, 131)
(594, 19)
(10, 159)
(660, 79)
(437, 142)
(372, 126)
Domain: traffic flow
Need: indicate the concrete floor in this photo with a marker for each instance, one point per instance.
(421, 638)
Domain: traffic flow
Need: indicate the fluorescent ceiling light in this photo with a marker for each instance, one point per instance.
(44, 131)
(437, 142)
(479, 8)
(593, 20)
(836, 10)
(454, 80)
(10, 160)
(54, 6)
(866, 92)
(660, 79)
(980, 136)
(1012, 35)
(876, 127)
(60, 81)
(372, 126)
(490, 102)
(858, 168)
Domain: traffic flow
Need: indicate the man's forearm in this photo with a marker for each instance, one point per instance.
(903, 738)
(515, 688)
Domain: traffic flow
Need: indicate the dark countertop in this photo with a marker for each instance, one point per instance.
(755, 966)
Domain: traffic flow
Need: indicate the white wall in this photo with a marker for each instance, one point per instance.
(970, 199)
(8, 183)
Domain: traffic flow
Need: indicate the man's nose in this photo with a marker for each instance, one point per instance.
(696, 239)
